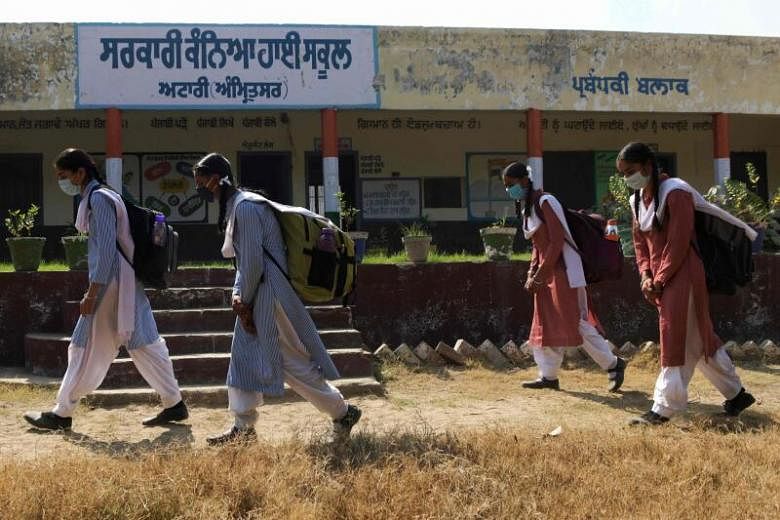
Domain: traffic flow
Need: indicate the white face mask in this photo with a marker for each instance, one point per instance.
(69, 188)
(636, 181)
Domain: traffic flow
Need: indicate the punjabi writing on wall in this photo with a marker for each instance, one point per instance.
(620, 84)
(193, 66)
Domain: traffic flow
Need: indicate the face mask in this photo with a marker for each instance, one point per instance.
(636, 181)
(69, 188)
(516, 192)
(205, 194)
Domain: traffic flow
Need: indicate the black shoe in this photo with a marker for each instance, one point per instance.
(48, 420)
(177, 412)
(342, 427)
(234, 435)
(616, 375)
(649, 418)
(537, 384)
(734, 407)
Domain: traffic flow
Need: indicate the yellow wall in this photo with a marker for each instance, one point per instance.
(417, 149)
(478, 69)
(430, 68)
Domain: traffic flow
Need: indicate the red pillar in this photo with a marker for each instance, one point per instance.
(721, 149)
(330, 162)
(534, 146)
(114, 148)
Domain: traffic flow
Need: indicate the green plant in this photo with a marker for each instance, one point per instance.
(347, 212)
(414, 229)
(71, 231)
(20, 223)
(740, 200)
(500, 222)
(772, 238)
(616, 203)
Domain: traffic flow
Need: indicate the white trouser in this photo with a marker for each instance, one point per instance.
(87, 366)
(671, 387)
(299, 372)
(549, 359)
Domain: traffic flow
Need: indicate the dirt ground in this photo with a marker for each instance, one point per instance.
(442, 400)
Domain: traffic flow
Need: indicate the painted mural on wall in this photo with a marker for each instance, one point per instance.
(168, 186)
(225, 66)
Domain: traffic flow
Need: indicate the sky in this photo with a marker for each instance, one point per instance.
(736, 17)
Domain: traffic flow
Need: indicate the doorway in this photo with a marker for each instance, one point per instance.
(270, 172)
(739, 162)
(23, 184)
(315, 192)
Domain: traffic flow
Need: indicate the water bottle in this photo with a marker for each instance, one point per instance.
(611, 232)
(327, 240)
(160, 230)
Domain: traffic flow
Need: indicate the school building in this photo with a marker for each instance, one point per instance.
(409, 123)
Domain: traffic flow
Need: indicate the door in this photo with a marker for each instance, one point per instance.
(667, 163)
(23, 185)
(739, 162)
(315, 194)
(270, 172)
(570, 177)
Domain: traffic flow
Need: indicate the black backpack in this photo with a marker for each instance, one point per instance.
(152, 263)
(726, 252)
(602, 259)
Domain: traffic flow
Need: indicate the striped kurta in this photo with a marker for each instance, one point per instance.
(256, 360)
(103, 259)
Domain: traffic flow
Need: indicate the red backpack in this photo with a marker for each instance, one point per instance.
(602, 259)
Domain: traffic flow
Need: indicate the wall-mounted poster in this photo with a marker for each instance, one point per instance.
(168, 186)
(391, 199)
(487, 194)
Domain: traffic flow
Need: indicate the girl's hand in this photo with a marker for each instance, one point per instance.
(87, 305)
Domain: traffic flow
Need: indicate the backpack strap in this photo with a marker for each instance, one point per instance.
(538, 210)
(89, 207)
(277, 264)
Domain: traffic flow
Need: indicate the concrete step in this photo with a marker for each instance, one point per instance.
(216, 395)
(47, 354)
(219, 317)
(211, 369)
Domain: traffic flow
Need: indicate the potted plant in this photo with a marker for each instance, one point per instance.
(742, 202)
(417, 242)
(616, 204)
(26, 251)
(347, 216)
(75, 245)
(498, 239)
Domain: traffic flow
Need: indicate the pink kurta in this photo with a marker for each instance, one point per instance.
(556, 305)
(669, 255)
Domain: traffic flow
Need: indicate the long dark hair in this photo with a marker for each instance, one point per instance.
(641, 153)
(71, 159)
(518, 170)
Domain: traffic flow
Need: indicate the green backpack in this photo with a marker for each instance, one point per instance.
(317, 275)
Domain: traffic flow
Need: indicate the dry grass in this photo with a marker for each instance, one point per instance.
(426, 460)
(492, 474)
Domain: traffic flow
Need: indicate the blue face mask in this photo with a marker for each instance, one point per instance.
(516, 192)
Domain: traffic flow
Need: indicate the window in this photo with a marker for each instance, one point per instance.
(442, 192)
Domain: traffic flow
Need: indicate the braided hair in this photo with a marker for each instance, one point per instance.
(636, 152)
